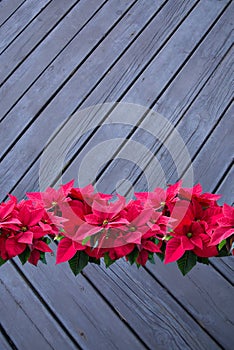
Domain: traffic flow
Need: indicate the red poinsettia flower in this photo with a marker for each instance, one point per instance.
(188, 236)
(145, 248)
(36, 248)
(8, 215)
(225, 225)
(104, 215)
(160, 199)
(205, 199)
(138, 218)
(67, 248)
(51, 198)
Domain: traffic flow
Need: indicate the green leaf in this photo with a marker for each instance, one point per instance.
(161, 256)
(94, 260)
(222, 244)
(133, 256)
(151, 258)
(2, 262)
(108, 261)
(85, 240)
(203, 260)
(43, 258)
(24, 256)
(78, 262)
(58, 238)
(47, 240)
(187, 262)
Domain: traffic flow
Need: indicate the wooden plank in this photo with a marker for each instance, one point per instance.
(226, 188)
(205, 294)
(72, 90)
(57, 111)
(89, 319)
(226, 267)
(214, 329)
(22, 311)
(35, 32)
(172, 104)
(20, 19)
(221, 154)
(194, 128)
(215, 156)
(90, 72)
(4, 345)
(7, 8)
(160, 321)
(68, 29)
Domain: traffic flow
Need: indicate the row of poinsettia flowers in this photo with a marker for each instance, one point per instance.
(178, 224)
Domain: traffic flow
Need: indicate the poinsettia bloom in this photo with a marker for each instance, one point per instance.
(121, 251)
(67, 248)
(226, 225)
(86, 195)
(8, 215)
(194, 211)
(205, 199)
(159, 225)
(36, 249)
(10, 246)
(51, 224)
(52, 198)
(160, 199)
(145, 248)
(187, 236)
(102, 217)
(29, 218)
(138, 218)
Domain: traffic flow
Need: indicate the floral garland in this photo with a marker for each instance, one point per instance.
(177, 224)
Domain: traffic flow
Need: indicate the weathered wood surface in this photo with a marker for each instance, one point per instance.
(172, 56)
(7, 8)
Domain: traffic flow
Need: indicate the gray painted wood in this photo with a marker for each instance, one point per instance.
(25, 319)
(56, 110)
(172, 105)
(184, 313)
(81, 309)
(19, 20)
(69, 28)
(89, 73)
(4, 345)
(7, 8)
(35, 32)
(226, 187)
(161, 322)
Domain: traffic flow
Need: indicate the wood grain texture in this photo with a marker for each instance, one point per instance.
(85, 78)
(35, 32)
(195, 127)
(80, 308)
(174, 56)
(21, 311)
(7, 8)
(20, 19)
(226, 188)
(172, 105)
(161, 322)
(69, 28)
(195, 292)
(58, 110)
(4, 345)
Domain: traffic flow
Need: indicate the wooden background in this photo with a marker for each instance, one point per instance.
(174, 57)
